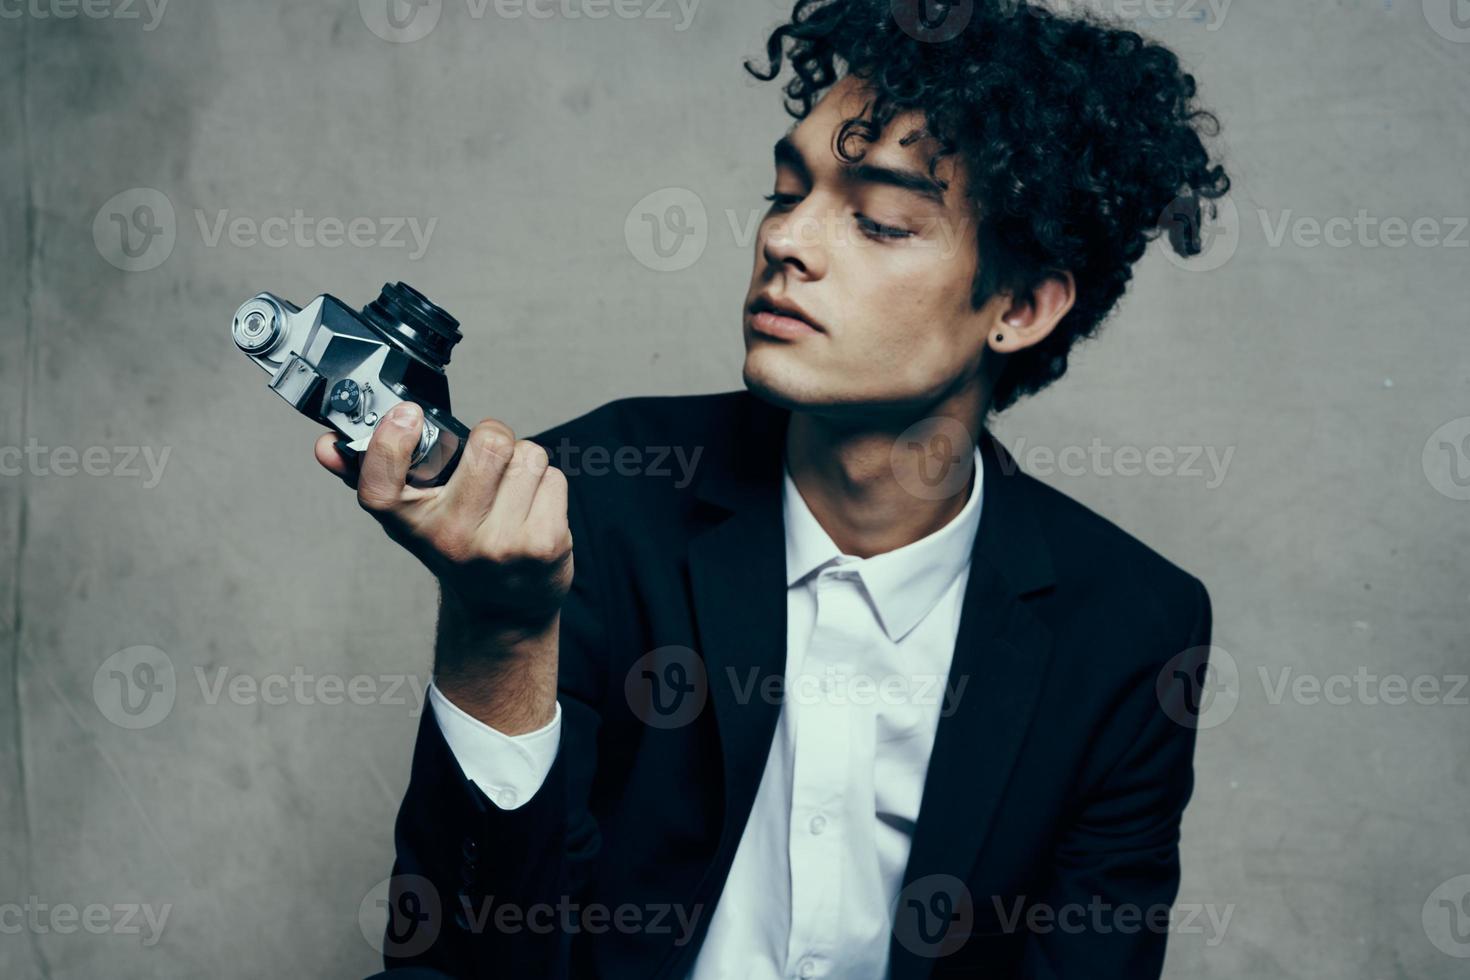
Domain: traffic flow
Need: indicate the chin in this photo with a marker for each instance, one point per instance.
(777, 383)
(785, 389)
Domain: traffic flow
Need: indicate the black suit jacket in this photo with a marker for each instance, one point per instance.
(1047, 840)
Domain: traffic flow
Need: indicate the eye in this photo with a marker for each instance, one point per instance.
(781, 202)
(875, 230)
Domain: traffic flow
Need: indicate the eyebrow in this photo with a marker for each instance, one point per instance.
(930, 188)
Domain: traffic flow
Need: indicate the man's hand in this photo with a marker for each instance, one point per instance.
(496, 536)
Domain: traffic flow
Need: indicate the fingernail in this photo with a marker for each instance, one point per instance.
(405, 414)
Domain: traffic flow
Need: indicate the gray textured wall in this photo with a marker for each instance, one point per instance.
(1333, 375)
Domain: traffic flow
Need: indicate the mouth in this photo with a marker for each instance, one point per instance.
(781, 319)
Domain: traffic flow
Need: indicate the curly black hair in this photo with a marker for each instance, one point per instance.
(1081, 140)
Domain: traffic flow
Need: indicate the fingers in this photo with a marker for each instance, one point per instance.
(517, 488)
(334, 461)
(548, 536)
(472, 487)
(384, 468)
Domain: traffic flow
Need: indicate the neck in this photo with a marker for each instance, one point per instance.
(873, 494)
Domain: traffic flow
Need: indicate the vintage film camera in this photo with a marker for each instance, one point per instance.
(345, 369)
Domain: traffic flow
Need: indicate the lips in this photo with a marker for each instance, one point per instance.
(781, 316)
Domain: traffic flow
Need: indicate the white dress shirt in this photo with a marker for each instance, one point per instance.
(821, 859)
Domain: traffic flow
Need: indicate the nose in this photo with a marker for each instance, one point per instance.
(793, 241)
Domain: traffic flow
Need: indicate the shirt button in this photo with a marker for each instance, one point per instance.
(818, 824)
(506, 798)
(807, 968)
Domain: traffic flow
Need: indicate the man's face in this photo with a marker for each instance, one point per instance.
(877, 261)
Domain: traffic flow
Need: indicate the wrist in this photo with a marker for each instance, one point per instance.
(495, 700)
(504, 677)
(494, 626)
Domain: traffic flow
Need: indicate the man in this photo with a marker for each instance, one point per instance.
(860, 699)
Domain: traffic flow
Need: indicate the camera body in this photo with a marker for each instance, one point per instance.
(346, 368)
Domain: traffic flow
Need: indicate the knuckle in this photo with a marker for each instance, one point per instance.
(531, 456)
(544, 548)
(495, 425)
(498, 551)
(375, 501)
(487, 441)
(492, 437)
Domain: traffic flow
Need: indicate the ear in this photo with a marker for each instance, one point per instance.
(1030, 317)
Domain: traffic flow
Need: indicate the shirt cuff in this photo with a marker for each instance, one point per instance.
(509, 769)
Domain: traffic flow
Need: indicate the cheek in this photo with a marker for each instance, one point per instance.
(916, 325)
(913, 306)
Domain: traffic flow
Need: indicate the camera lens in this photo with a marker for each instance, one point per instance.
(405, 316)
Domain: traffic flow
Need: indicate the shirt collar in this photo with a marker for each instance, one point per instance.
(904, 584)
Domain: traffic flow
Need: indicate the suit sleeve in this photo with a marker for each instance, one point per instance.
(480, 889)
(1116, 867)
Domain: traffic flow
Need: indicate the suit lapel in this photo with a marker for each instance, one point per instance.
(1001, 653)
(737, 569)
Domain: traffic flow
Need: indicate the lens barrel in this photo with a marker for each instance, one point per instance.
(405, 315)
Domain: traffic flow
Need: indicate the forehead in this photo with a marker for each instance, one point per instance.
(816, 136)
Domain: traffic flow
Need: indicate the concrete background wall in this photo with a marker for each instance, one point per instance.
(1332, 381)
